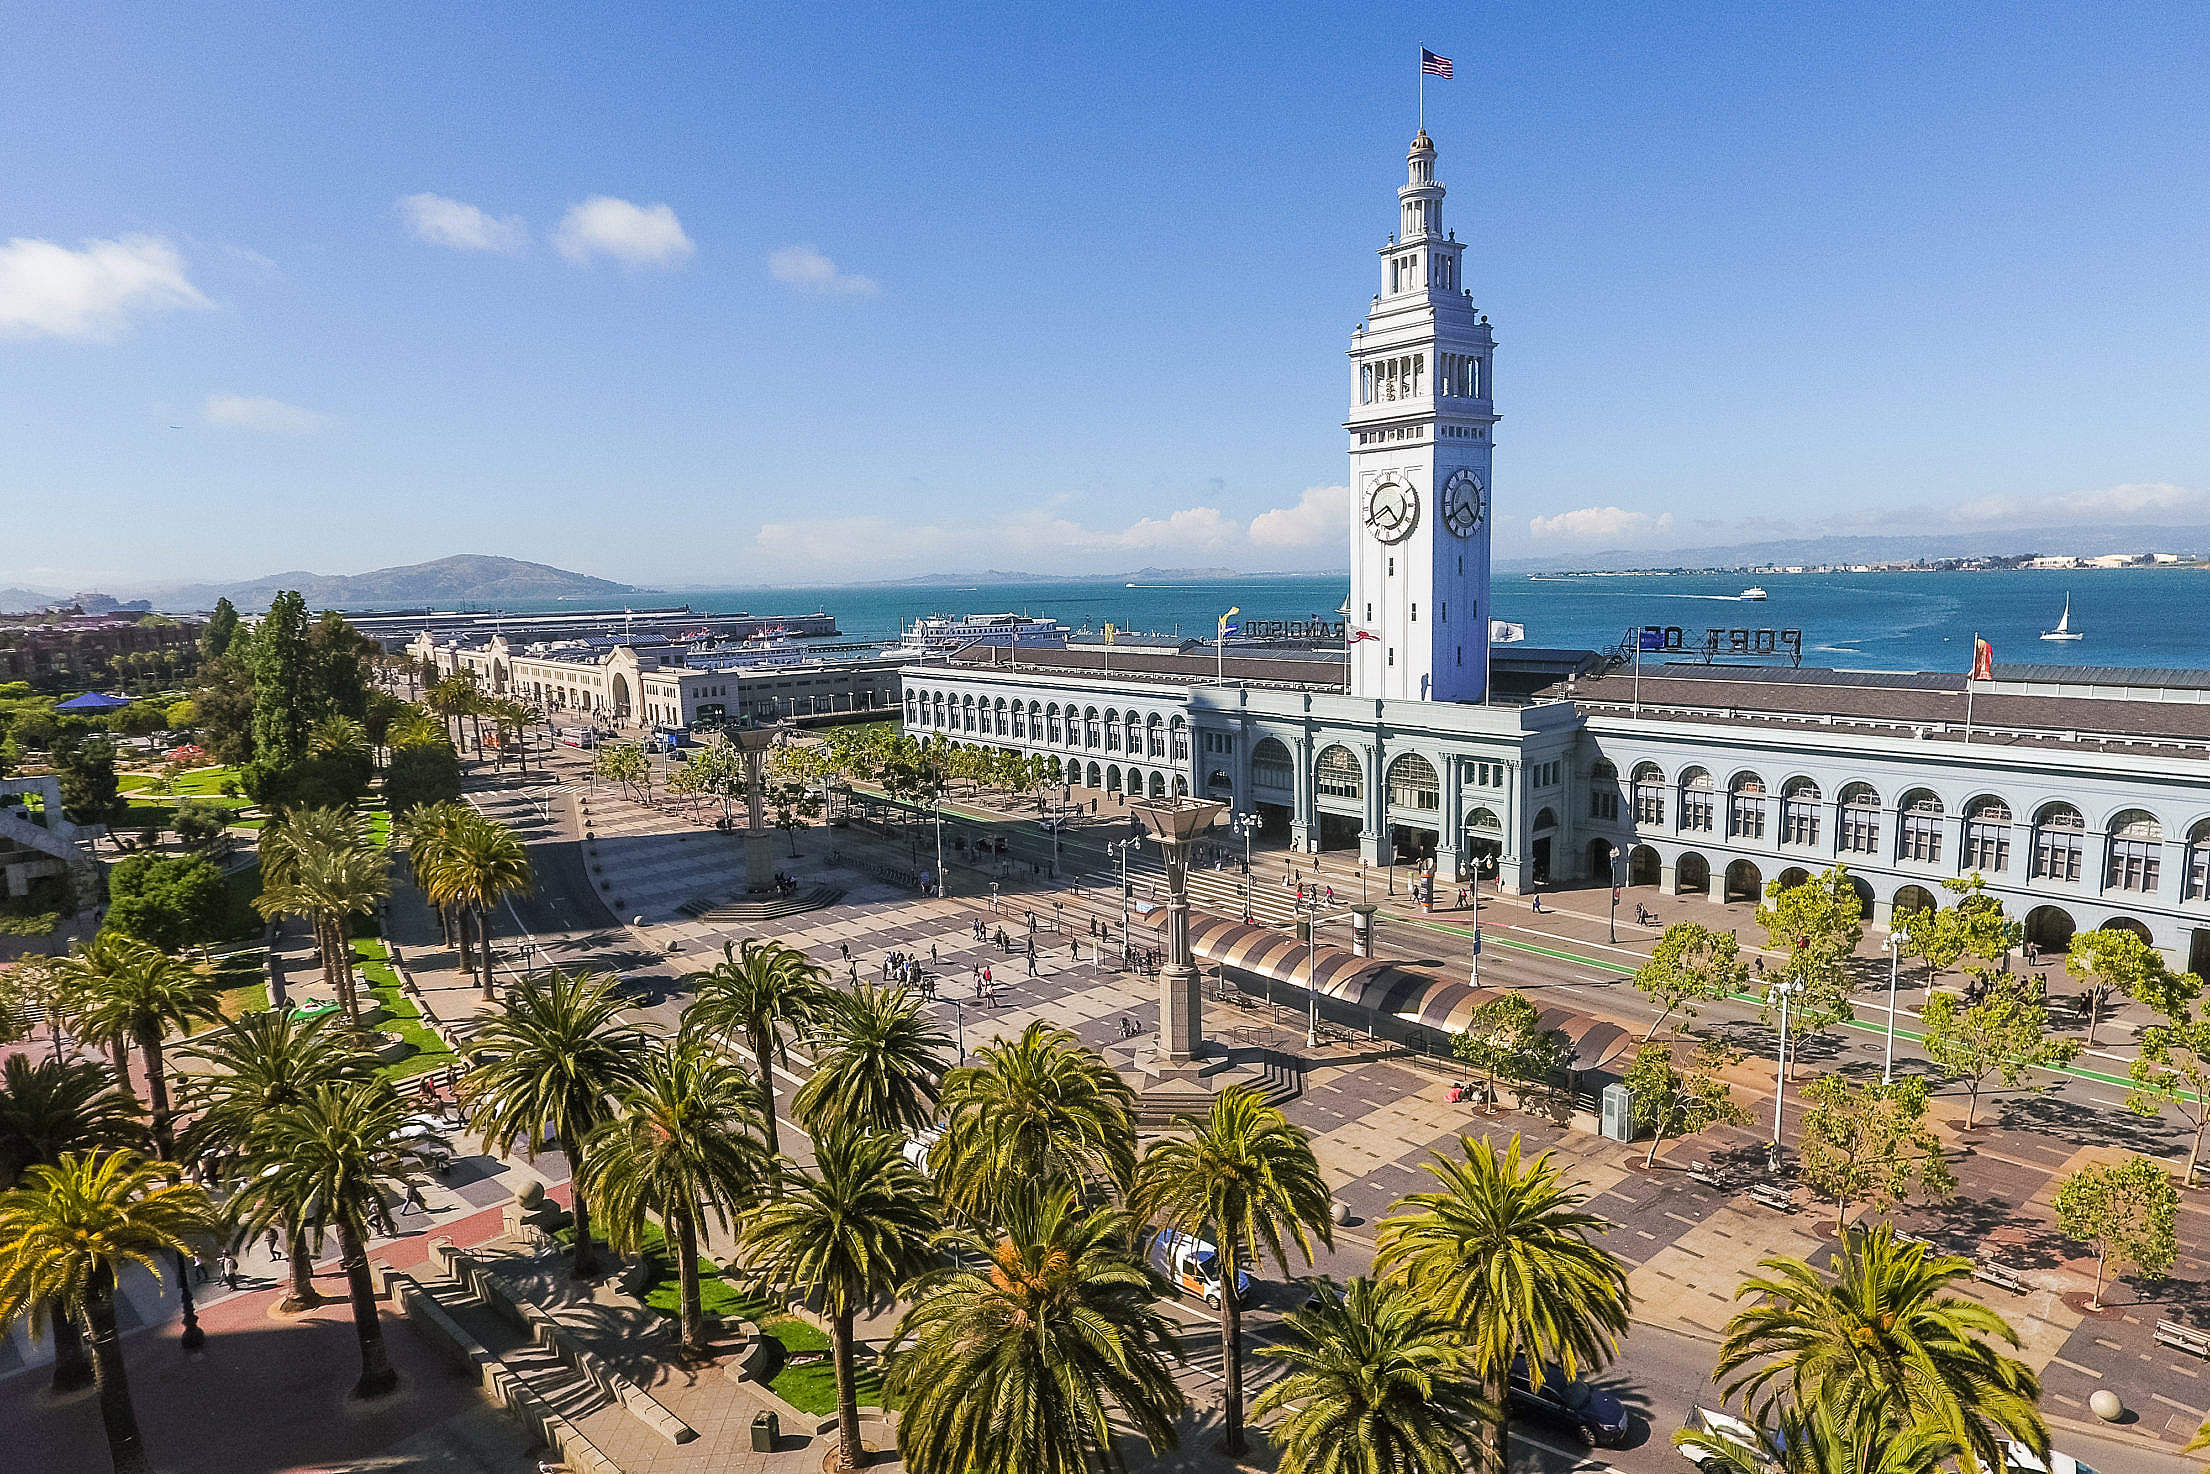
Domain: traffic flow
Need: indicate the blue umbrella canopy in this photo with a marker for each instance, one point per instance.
(93, 701)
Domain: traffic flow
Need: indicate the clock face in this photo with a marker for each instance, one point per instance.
(1465, 502)
(1392, 510)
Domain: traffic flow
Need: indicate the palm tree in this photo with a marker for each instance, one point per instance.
(260, 1064)
(1246, 1176)
(878, 1058)
(337, 735)
(479, 864)
(89, 971)
(150, 994)
(48, 1109)
(1822, 1440)
(326, 872)
(1042, 1108)
(760, 992)
(1502, 1251)
(1025, 1362)
(1377, 1384)
(849, 1233)
(63, 1235)
(324, 1164)
(550, 1064)
(1887, 1336)
(681, 1146)
(425, 833)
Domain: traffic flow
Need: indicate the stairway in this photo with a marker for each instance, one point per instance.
(743, 912)
(565, 1390)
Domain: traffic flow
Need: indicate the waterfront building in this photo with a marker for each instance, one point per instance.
(395, 629)
(654, 681)
(2081, 795)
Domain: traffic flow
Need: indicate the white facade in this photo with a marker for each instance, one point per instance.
(1115, 736)
(1421, 427)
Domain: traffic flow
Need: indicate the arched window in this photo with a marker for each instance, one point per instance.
(2198, 862)
(1746, 807)
(1020, 722)
(1918, 827)
(1696, 801)
(1180, 730)
(1799, 812)
(1272, 767)
(1987, 835)
(1413, 784)
(1112, 731)
(2060, 838)
(1484, 821)
(1135, 735)
(2136, 853)
(1649, 794)
(1093, 731)
(1603, 792)
(1338, 775)
(938, 703)
(1051, 723)
(1155, 730)
(912, 708)
(1858, 824)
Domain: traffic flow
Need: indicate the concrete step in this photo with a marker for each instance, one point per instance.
(742, 912)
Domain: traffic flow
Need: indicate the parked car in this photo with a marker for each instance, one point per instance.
(2021, 1459)
(1190, 1264)
(1595, 1416)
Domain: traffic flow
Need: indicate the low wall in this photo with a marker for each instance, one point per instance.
(499, 1381)
(466, 1269)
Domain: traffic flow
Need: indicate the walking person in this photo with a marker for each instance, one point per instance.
(275, 1245)
(229, 1266)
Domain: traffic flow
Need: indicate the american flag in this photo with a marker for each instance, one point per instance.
(1433, 65)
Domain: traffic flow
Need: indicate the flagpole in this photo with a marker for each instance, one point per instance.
(1968, 683)
(1423, 88)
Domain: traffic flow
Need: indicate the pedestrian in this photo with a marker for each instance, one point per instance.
(276, 1246)
(932, 954)
(229, 1265)
(1032, 965)
(846, 949)
(414, 1198)
(200, 1271)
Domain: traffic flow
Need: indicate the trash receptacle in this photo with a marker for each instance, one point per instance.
(765, 1426)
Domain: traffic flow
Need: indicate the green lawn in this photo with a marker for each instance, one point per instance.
(808, 1385)
(402, 1017)
(204, 785)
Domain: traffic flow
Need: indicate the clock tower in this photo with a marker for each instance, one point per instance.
(1420, 425)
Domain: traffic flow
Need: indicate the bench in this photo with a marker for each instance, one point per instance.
(1701, 1172)
(2002, 1276)
(2184, 1338)
(1773, 1196)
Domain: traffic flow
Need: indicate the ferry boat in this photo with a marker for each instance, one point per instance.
(940, 634)
(1752, 595)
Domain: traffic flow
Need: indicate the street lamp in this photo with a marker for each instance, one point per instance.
(1896, 940)
(1783, 992)
(1121, 848)
(1247, 823)
(1611, 922)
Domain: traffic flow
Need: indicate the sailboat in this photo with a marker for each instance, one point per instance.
(2064, 630)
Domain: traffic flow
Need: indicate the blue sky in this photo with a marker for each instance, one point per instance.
(805, 293)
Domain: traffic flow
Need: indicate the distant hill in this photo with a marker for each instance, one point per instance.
(23, 601)
(1877, 548)
(473, 578)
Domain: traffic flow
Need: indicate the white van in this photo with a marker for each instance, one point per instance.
(1190, 1265)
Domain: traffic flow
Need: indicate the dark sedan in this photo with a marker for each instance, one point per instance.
(1595, 1416)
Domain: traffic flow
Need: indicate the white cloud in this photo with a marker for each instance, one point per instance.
(247, 412)
(48, 290)
(455, 223)
(806, 269)
(1601, 522)
(1029, 539)
(2149, 501)
(1320, 519)
(635, 235)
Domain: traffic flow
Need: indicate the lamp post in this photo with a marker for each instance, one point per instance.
(941, 888)
(1247, 823)
(1896, 940)
(753, 742)
(1783, 992)
(1175, 824)
(1120, 848)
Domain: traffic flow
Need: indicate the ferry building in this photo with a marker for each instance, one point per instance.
(2081, 794)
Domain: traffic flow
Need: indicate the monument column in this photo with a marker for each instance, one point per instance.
(754, 742)
(1175, 824)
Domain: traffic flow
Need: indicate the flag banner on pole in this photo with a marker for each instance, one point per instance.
(1357, 635)
(1109, 632)
(1504, 632)
(1433, 65)
(1230, 627)
(1477, 941)
(1651, 639)
(1227, 626)
(1983, 660)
